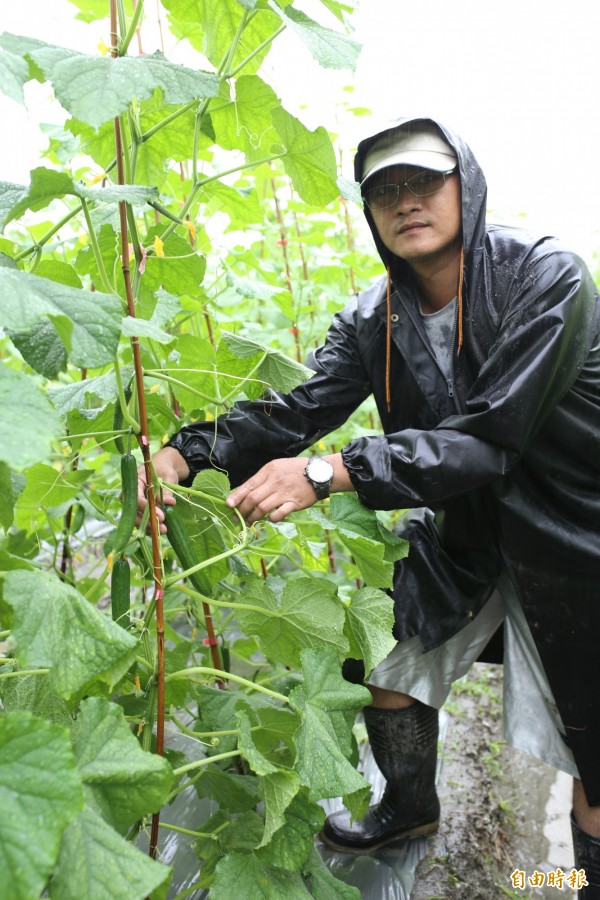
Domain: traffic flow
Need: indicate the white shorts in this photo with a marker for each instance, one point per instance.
(532, 722)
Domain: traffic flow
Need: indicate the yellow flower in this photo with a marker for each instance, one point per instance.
(103, 48)
(190, 227)
(97, 179)
(158, 246)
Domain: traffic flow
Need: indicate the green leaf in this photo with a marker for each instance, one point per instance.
(357, 802)
(55, 270)
(331, 49)
(48, 185)
(11, 486)
(291, 845)
(240, 875)
(31, 694)
(259, 290)
(40, 793)
(76, 395)
(242, 206)
(144, 328)
(30, 422)
(180, 271)
(276, 370)
(14, 72)
(373, 547)
(308, 159)
(324, 885)
(369, 623)
(97, 862)
(308, 615)
(258, 763)
(241, 833)
(49, 616)
(233, 792)
(96, 89)
(278, 790)
(122, 782)
(93, 318)
(86, 263)
(211, 28)
(42, 348)
(10, 194)
(193, 364)
(243, 122)
(350, 190)
(274, 735)
(327, 704)
(47, 487)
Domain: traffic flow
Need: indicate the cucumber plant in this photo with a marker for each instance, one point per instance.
(181, 247)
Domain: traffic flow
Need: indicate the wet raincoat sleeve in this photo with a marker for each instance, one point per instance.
(282, 425)
(547, 328)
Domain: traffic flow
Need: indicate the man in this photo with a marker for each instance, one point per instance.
(481, 347)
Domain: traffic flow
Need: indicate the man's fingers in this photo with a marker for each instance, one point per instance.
(241, 493)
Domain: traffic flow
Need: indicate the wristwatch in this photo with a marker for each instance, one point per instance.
(320, 474)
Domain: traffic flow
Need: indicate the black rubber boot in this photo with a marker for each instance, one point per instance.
(404, 745)
(587, 857)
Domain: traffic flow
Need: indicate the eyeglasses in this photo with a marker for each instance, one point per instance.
(423, 184)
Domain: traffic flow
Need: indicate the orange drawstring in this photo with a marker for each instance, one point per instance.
(461, 275)
(388, 343)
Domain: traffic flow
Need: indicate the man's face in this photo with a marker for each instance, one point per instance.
(421, 230)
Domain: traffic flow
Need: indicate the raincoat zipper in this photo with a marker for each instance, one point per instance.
(449, 381)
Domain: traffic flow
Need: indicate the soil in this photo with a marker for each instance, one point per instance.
(501, 810)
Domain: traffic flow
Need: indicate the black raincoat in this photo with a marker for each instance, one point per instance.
(506, 454)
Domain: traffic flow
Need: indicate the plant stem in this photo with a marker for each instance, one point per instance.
(198, 184)
(233, 72)
(173, 579)
(196, 834)
(204, 670)
(123, 400)
(24, 672)
(199, 763)
(108, 287)
(166, 121)
(135, 19)
(227, 604)
(44, 240)
(158, 373)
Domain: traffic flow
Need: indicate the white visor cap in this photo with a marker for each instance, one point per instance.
(422, 146)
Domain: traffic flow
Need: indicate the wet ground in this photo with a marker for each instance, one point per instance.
(502, 813)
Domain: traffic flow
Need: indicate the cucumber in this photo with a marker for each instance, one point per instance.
(179, 541)
(118, 540)
(120, 592)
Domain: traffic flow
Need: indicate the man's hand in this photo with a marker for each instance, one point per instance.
(281, 487)
(169, 466)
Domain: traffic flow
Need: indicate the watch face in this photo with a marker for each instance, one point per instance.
(320, 470)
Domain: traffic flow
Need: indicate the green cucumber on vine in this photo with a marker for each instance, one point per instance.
(118, 540)
(179, 541)
(118, 420)
(120, 592)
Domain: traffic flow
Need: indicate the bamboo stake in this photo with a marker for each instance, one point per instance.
(144, 443)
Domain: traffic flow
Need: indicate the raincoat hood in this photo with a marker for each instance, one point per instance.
(472, 181)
